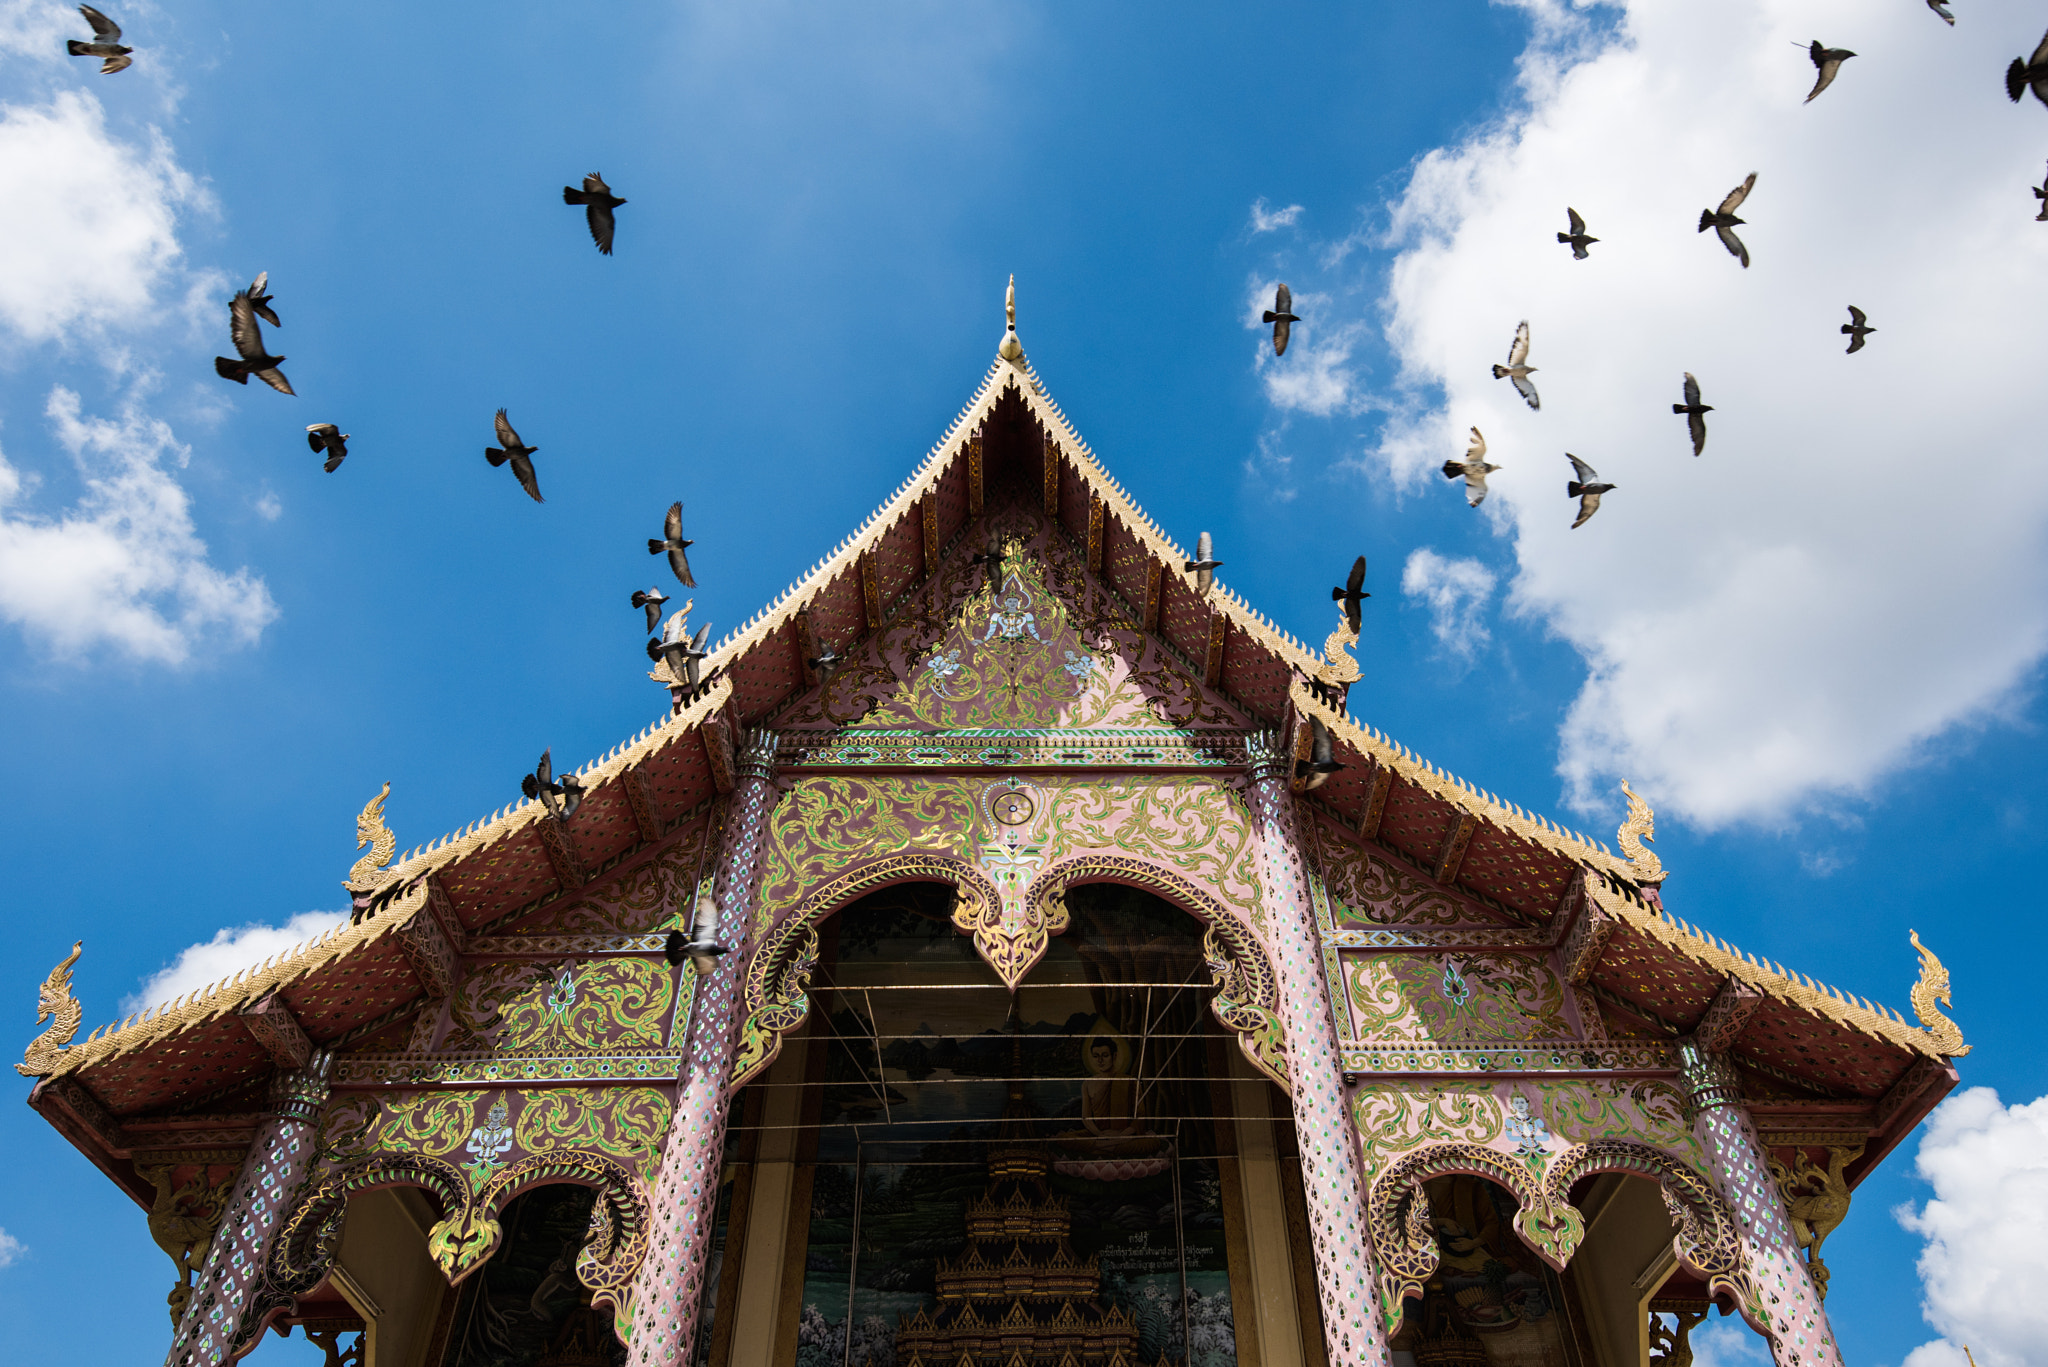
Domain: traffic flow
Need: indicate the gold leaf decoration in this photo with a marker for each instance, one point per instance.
(1928, 996)
(1640, 825)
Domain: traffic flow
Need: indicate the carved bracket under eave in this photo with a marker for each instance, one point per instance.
(1727, 1015)
(271, 1023)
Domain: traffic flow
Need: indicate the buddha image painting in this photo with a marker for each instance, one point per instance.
(1109, 1098)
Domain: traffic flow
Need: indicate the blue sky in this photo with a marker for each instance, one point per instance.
(1818, 652)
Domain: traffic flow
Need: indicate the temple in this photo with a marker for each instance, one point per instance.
(1071, 1019)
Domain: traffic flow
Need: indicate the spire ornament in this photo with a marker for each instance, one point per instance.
(1011, 349)
(44, 1051)
(1928, 995)
(371, 831)
(1640, 825)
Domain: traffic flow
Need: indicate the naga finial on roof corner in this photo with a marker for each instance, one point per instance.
(1928, 996)
(1338, 666)
(55, 999)
(371, 831)
(1640, 825)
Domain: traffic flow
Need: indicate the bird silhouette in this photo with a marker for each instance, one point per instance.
(1940, 8)
(651, 599)
(1695, 413)
(1281, 316)
(1827, 61)
(1855, 330)
(598, 201)
(672, 541)
(106, 42)
(1586, 488)
(1352, 594)
(562, 797)
(992, 558)
(1577, 236)
(1204, 565)
(260, 301)
(2041, 193)
(325, 436)
(1723, 220)
(2030, 74)
(519, 453)
(1518, 353)
(825, 661)
(685, 656)
(1315, 771)
(247, 335)
(1473, 469)
(697, 945)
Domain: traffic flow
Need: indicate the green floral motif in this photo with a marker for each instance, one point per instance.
(1394, 1117)
(1476, 996)
(490, 1128)
(1196, 826)
(1650, 1111)
(826, 820)
(625, 1122)
(1366, 891)
(598, 1004)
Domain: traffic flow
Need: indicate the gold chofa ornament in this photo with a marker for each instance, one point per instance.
(55, 999)
(1638, 826)
(371, 831)
(1928, 996)
(1338, 666)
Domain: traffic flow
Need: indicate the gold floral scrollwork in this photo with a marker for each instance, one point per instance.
(1011, 943)
(460, 1243)
(54, 999)
(1928, 996)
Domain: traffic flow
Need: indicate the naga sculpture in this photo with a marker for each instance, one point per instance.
(1928, 996)
(371, 831)
(55, 999)
(1641, 825)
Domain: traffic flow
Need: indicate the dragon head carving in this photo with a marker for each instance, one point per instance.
(371, 831)
(54, 1000)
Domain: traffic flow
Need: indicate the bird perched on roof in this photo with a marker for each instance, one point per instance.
(2030, 74)
(683, 654)
(1586, 488)
(1516, 370)
(1473, 469)
(1352, 594)
(697, 945)
(519, 453)
(1204, 565)
(1695, 413)
(1855, 330)
(651, 599)
(1577, 236)
(598, 201)
(106, 42)
(1281, 316)
(1322, 762)
(1827, 61)
(673, 542)
(561, 797)
(260, 301)
(1723, 220)
(247, 335)
(1940, 8)
(2041, 193)
(325, 436)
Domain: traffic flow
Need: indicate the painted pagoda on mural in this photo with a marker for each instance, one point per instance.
(1072, 1018)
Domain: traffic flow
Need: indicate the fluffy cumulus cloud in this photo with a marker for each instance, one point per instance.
(123, 567)
(227, 953)
(1988, 1165)
(1456, 591)
(1832, 586)
(1316, 376)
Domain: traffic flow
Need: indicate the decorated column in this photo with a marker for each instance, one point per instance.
(1329, 1151)
(670, 1288)
(214, 1327)
(1779, 1297)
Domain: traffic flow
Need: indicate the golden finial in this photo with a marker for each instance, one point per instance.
(1338, 666)
(55, 999)
(371, 831)
(1638, 826)
(1011, 350)
(1010, 304)
(1930, 993)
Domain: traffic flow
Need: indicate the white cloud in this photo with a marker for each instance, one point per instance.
(1728, 1342)
(1456, 591)
(1988, 1165)
(36, 29)
(1266, 220)
(11, 1249)
(1316, 375)
(228, 952)
(124, 566)
(1831, 587)
(268, 507)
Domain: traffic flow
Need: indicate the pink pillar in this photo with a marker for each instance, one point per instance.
(212, 1330)
(1329, 1148)
(1784, 1302)
(669, 1289)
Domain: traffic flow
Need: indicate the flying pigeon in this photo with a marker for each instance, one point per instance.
(598, 201)
(520, 454)
(2032, 72)
(1518, 352)
(1281, 316)
(1695, 414)
(1473, 468)
(1204, 565)
(992, 557)
(651, 599)
(1827, 61)
(560, 798)
(2042, 195)
(826, 661)
(1577, 236)
(1723, 220)
(698, 946)
(325, 436)
(247, 336)
(260, 301)
(684, 655)
(1585, 488)
(672, 541)
(1938, 6)
(1855, 330)
(106, 42)
(1315, 771)
(1352, 594)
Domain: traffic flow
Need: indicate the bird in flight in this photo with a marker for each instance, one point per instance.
(2033, 73)
(247, 335)
(993, 559)
(1723, 220)
(1281, 316)
(106, 42)
(2041, 193)
(1352, 594)
(697, 945)
(260, 301)
(1586, 488)
(672, 541)
(1940, 8)
(825, 661)
(325, 436)
(561, 798)
(519, 453)
(1516, 370)
(1577, 236)
(1855, 330)
(1315, 771)
(651, 599)
(598, 201)
(683, 654)
(1827, 61)
(1695, 413)
(1473, 468)
(1204, 565)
